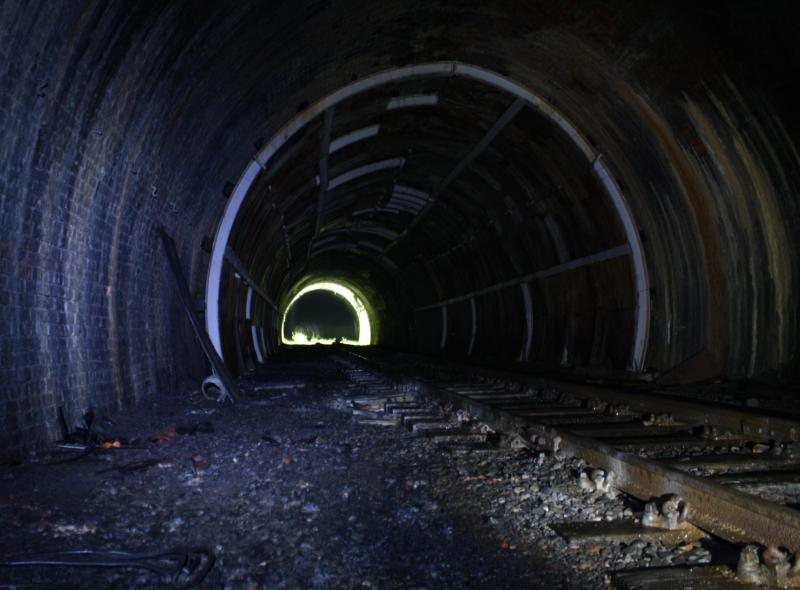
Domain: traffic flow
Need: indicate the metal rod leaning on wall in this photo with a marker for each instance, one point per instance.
(239, 266)
(186, 299)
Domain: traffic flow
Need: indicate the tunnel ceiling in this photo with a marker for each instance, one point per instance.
(530, 179)
(429, 174)
(121, 118)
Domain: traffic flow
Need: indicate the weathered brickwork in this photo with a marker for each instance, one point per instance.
(84, 322)
(117, 117)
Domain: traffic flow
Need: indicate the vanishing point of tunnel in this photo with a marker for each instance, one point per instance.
(592, 191)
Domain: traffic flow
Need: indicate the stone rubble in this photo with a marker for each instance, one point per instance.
(291, 490)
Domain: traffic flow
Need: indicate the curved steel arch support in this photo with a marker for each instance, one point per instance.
(642, 317)
(527, 300)
(474, 313)
(435, 69)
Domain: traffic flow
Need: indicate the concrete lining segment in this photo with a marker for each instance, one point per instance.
(436, 69)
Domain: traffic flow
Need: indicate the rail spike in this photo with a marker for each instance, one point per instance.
(674, 514)
(773, 568)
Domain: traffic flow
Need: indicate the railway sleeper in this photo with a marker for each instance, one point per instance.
(689, 505)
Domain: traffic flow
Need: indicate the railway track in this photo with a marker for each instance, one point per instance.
(700, 468)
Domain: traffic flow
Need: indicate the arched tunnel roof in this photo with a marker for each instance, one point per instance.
(476, 224)
(432, 174)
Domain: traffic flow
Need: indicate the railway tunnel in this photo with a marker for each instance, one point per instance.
(580, 190)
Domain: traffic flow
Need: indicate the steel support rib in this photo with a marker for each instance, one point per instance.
(237, 264)
(495, 130)
(421, 71)
(615, 252)
(323, 168)
(474, 327)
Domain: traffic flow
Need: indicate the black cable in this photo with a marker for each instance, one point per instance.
(186, 573)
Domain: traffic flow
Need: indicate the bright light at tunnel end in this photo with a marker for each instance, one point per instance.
(299, 338)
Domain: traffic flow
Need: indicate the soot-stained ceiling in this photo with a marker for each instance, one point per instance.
(602, 188)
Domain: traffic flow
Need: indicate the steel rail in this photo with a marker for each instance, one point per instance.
(756, 426)
(727, 513)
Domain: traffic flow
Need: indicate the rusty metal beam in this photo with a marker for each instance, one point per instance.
(615, 252)
(186, 300)
(237, 264)
(476, 151)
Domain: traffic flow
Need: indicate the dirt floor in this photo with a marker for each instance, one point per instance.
(291, 490)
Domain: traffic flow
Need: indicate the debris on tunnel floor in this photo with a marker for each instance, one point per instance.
(292, 489)
(571, 225)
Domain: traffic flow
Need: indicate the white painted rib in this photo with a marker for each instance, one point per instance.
(435, 69)
(555, 235)
(474, 326)
(248, 308)
(413, 192)
(370, 246)
(256, 345)
(534, 101)
(353, 137)
(371, 168)
(642, 316)
(348, 246)
(408, 208)
(443, 341)
(382, 232)
(325, 240)
(218, 252)
(264, 341)
(412, 100)
(399, 199)
(525, 352)
(388, 262)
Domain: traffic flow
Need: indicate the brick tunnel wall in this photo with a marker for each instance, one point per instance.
(120, 117)
(88, 314)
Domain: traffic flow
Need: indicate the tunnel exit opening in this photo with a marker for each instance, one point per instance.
(318, 314)
(322, 114)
